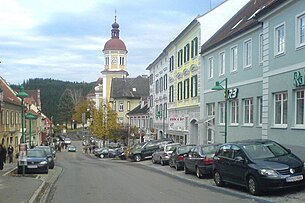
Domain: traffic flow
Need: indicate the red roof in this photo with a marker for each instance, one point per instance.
(115, 44)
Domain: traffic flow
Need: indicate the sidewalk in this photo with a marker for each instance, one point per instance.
(28, 188)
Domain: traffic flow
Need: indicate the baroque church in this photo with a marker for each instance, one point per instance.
(115, 87)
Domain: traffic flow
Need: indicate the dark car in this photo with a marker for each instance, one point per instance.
(37, 162)
(200, 160)
(49, 152)
(145, 150)
(106, 152)
(259, 165)
(177, 157)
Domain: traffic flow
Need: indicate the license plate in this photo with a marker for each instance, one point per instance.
(294, 178)
(32, 166)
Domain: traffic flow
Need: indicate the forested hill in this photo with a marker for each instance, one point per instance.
(51, 91)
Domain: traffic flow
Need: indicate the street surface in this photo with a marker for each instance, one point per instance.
(89, 179)
(86, 178)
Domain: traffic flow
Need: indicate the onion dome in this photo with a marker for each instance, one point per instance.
(115, 43)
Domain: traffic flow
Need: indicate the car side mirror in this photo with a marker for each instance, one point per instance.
(239, 159)
(289, 150)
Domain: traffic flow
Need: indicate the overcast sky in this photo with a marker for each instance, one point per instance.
(64, 39)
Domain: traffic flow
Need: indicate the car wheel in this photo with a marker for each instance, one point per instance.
(218, 179)
(153, 161)
(162, 162)
(137, 158)
(253, 186)
(102, 156)
(198, 173)
(186, 170)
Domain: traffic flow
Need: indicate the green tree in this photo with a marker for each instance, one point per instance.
(65, 108)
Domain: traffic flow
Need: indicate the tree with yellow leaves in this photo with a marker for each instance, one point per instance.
(104, 124)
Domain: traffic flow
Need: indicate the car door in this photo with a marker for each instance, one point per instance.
(196, 158)
(188, 159)
(238, 166)
(222, 161)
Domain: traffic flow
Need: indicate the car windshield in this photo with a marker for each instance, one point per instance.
(171, 147)
(35, 153)
(265, 150)
(209, 149)
(139, 145)
(184, 149)
(46, 149)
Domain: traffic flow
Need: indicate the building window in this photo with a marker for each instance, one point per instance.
(122, 62)
(186, 53)
(234, 112)
(186, 88)
(194, 44)
(211, 68)
(247, 53)
(128, 105)
(279, 39)
(261, 47)
(171, 63)
(221, 106)
(248, 111)
(300, 110)
(151, 79)
(160, 111)
(180, 58)
(107, 60)
(171, 93)
(121, 106)
(300, 30)
(2, 118)
(179, 91)
(7, 118)
(280, 108)
(151, 101)
(222, 63)
(161, 84)
(194, 86)
(211, 109)
(157, 86)
(234, 59)
(165, 81)
(260, 110)
(156, 111)
(165, 110)
(12, 118)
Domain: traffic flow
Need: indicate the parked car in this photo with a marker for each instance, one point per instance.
(177, 157)
(105, 152)
(67, 141)
(259, 165)
(145, 150)
(163, 153)
(71, 148)
(37, 162)
(49, 152)
(200, 160)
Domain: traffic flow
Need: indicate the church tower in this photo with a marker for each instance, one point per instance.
(115, 66)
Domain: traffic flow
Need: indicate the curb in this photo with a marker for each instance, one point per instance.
(41, 194)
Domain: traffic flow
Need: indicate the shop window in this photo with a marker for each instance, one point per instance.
(234, 112)
(300, 110)
(280, 108)
(248, 111)
(221, 107)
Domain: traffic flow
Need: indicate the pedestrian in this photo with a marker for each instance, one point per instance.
(2, 155)
(10, 151)
(90, 149)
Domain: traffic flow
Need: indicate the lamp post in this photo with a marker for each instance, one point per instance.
(22, 95)
(217, 87)
(30, 116)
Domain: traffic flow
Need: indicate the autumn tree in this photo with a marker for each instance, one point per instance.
(104, 123)
(83, 106)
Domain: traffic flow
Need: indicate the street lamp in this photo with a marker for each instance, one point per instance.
(22, 95)
(30, 116)
(217, 87)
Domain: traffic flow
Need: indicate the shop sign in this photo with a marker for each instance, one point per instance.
(299, 79)
(22, 154)
(232, 93)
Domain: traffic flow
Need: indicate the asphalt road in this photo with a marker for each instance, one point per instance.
(89, 179)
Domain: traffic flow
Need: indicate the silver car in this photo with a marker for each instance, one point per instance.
(163, 154)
